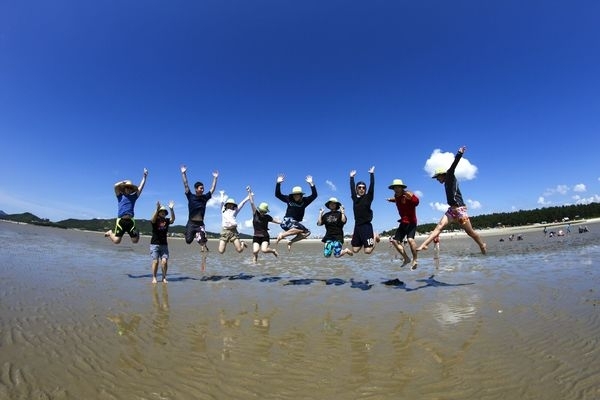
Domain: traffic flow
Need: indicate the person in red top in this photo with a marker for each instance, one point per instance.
(407, 203)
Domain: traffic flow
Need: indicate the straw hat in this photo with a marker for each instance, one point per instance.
(296, 190)
(128, 184)
(397, 182)
(263, 207)
(163, 208)
(438, 172)
(333, 200)
(231, 201)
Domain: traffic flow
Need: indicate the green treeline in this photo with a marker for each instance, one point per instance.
(523, 217)
(507, 219)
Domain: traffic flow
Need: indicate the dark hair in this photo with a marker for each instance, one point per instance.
(361, 183)
(198, 184)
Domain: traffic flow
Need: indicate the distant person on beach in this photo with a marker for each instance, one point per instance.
(229, 231)
(260, 223)
(363, 236)
(127, 194)
(334, 221)
(159, 248)
(294, 214)
(195, 228)
(457, 210)
(406, 203)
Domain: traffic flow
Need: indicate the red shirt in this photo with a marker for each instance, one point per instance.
(407, 208)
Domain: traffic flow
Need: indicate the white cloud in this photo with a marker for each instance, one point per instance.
(437, 159)
(474, 204)
(331, 185)
(439, 206)
(580, 187)
(560, 189)
(543, 202)
(587, 200)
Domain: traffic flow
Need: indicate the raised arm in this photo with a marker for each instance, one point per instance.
(278, 194)
(313, 189)
(172, 208)
(143, 182)
(320, 218)
(215, 175)
(352, 186)
(155, 215)
(457, 158)
(185, 180)
(239, 207)
(251, 198)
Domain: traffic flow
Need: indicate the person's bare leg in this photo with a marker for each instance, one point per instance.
(222, 246)
(165, 266)
(471, 232)
(400, 248)
(438, 229)
(154, 270)
(413, 249)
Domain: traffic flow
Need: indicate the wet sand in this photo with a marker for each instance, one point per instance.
(80, 319)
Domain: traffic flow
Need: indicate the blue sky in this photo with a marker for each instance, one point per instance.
(94, 92)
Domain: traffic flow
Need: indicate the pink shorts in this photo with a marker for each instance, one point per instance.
(458, 214)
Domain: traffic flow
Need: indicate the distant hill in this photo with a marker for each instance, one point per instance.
(98, 225)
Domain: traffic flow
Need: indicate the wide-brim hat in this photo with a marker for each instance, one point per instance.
(231, 201)
(129, 184)
(333, 200)
(264, 207)
(438, 172)
(163, 208)
(296, 190)
(397, 182)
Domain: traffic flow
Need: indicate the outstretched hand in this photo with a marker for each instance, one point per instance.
(309, 179)
(280, 178)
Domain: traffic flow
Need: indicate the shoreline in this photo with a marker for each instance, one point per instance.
(457, 233)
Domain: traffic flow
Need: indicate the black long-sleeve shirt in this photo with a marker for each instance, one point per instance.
(295, 209)
(361, 205)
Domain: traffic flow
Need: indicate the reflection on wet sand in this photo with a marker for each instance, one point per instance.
(297, 326)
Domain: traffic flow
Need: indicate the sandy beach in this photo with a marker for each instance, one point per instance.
(80, 319)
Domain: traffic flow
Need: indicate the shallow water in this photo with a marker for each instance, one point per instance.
(79, 318)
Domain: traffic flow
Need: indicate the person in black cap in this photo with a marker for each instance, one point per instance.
(363, 235)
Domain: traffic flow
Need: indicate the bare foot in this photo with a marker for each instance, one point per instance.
(107, 233)
(164, 280)
(406, 261)
(484, 249)
(413, 266)
(154, 280)
(349, 252)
